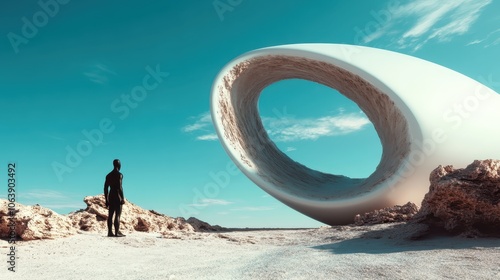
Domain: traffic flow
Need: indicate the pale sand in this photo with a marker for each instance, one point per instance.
(347, 252)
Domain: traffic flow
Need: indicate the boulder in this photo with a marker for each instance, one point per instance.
(464, 201)
(394, 214)
(33, 222)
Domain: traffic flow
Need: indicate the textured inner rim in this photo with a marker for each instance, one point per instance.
(243, 127)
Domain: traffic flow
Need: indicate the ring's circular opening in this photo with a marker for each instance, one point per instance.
(317, 126)
(244, 132)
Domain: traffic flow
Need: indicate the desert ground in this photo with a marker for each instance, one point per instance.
(340, 252)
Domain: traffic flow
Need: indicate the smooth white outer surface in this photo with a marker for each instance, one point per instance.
(450, 120)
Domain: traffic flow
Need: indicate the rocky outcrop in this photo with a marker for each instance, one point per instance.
(37, 222)
(199, 225)
(464, 201)
(394, 214)
(133, 218)
(34, 222)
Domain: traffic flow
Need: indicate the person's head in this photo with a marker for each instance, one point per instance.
(116, 164)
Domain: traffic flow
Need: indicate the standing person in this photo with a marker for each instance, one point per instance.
(115, 198)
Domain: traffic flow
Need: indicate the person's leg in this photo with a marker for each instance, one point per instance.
(110, 219)
(117, 220)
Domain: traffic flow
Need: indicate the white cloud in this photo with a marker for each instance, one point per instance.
(208, 137)
(496, 42)
(99, 73)
(54, 137)
(42, 194)
(291, 149)
(475, 42)
(257, 208)
(75, 205)
(202, 123)
(373, 36)
(50, 199)
(430, 20)
(288, 129)
(492, 39)
(209, 202)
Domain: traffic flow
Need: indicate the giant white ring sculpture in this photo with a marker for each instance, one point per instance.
(425, 115)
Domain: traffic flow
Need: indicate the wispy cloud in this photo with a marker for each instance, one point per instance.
(202, 124)
(492, 39)
(54, 137)
(42, 194)
(99, 73)
(50, 199)
(291, 129)
(291, 149)
(208, 137)
(75, 205)
(288, 128)
(430, 20)
(255, 208)
(475, 42)
(206, 202)
(210, 202)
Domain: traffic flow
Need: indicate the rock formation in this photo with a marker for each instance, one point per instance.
(199, 225)
(37, 222)
(393, 214)
(464, 201)
(133, 218)
(34, 222)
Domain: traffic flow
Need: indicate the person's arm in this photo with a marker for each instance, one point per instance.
(106, 191)
(121, 189)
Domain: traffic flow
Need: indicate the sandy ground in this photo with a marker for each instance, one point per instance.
(375, 252)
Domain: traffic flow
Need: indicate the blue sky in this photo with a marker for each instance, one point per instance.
(84, 82)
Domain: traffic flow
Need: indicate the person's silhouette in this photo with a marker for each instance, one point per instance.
(115, 198)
